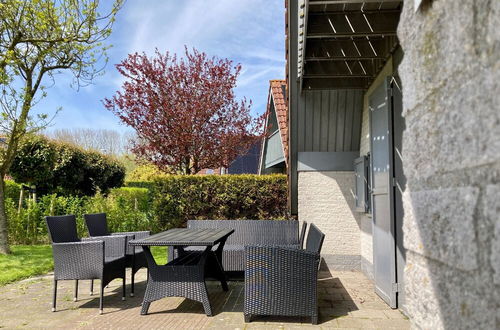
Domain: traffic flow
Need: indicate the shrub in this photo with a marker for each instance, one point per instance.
(177, 198)
(169, 203)
(12, 190)
(34, 163)
(58, 167)
(138, 198)
(145, 173)
(28, 225)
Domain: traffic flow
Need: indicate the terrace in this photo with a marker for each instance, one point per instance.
(346, 300)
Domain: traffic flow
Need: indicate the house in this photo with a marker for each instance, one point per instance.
(248, 163)
(393, 148)
(274, 151)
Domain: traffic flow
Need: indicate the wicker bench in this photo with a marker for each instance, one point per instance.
(251, 232)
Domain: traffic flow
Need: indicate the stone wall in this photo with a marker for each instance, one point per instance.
(326, 199)
(451, 150)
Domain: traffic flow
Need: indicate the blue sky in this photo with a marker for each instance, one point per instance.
(250, 32)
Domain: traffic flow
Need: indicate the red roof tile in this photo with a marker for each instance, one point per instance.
(278, 96)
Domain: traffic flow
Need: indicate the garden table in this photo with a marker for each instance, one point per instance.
(185, 275)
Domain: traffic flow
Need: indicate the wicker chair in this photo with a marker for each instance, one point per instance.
(84, 259)
(283, 281)
(97, 225)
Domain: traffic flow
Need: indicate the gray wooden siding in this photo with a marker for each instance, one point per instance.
(329, 120)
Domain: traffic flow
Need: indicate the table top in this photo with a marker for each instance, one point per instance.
(185, 237)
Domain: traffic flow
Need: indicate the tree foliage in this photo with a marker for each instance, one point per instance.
(184, 110)
(38, 39)
(56, 167)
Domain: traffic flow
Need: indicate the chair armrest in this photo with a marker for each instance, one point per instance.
(275, 262)
(136, 234)
(131, 235)
(280, 278)
(78, 260)
(114, 246)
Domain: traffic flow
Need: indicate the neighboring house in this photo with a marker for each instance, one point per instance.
(247, 163)
(274, 151)
(394, 130)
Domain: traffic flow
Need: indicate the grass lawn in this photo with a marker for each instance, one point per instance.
(25, 261)
(30, 260)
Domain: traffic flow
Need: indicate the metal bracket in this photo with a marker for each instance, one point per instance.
(396, 287)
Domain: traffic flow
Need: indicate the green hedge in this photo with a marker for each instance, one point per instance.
(169, 202)
(178, 198)
(55, 167)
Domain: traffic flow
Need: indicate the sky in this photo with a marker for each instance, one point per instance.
(249, 32)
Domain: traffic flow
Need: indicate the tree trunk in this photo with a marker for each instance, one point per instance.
(4, 238)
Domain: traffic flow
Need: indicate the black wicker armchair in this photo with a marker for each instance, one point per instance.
(84, 259)
(97, 225)
(283, 280)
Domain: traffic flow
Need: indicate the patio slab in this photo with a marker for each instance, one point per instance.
(346, 300)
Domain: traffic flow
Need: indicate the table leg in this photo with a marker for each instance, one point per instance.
(215, 264)
(180, 278)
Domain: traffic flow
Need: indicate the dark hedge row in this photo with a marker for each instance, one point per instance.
(62, 168)
(178, 198)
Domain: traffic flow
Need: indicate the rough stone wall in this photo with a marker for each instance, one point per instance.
(326, 199)
(451, 150)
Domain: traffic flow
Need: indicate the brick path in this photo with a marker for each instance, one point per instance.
(346, 300)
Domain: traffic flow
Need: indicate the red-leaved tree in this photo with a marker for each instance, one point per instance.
(184, 110)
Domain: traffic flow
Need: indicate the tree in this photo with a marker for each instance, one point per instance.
(184, 110)
(107, 141)
(64, 168)
(38, 39)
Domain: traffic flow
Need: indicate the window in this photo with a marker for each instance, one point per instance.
(362, 187)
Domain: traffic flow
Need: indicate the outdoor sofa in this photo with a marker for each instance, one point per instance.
(251, 232)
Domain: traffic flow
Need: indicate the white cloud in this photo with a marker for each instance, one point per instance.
(250, 32)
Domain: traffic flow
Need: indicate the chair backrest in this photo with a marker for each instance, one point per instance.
(62, 229)
(302, 234)
(314, 239)
(96, 223)
(255, 232)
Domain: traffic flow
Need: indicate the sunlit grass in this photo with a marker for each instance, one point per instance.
(30, 260)
(25, 261)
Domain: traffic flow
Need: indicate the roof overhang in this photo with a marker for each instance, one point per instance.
(345, 43)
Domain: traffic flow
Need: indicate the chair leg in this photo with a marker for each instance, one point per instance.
(248, 318)
(54, 296)
(101, 298)
(132, 279)
(124, 292)
(204, 300)
(91, 287)
(314, 319)
(145, 307)
(75, 298)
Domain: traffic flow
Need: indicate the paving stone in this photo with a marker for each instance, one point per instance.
(27, 304)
